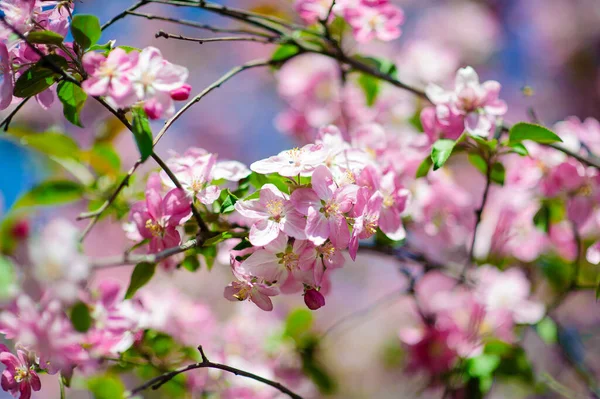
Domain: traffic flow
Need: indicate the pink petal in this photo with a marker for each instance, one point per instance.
(317, 227)
(263, 232)
(305, 199)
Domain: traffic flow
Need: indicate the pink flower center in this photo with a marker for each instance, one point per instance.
(243, 293)
(294, 156)
(388, 201)
(21, 374)
(326, 250)
(197, 184)
(330, 209)
(289, 260)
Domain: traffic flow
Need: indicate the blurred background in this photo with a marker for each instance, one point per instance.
(551, 47)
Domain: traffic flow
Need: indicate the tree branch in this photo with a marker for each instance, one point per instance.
(124, 13)
(196, 25)
(8, 119)
(134, 259)
(264, 40)
(159, 381)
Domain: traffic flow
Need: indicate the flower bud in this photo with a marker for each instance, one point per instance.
(20, 230)
(153, 109)
(181, 94)
(314, 299)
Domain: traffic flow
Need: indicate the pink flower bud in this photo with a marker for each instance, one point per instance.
(181, 94)
(314, 299)
(153, 108)
(20, 230)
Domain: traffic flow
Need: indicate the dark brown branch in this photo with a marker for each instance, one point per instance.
(9, 117)
(159, 381)
(264, 40)
(124, 13)
(196, 25)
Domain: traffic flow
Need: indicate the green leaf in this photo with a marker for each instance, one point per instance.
(371, 86)
(482, 365)
(141, 275)
(228, 204)
(8, 278)
(541, 219)
(103, 158)
(106, 47)
(382, 65)
(49, 143)
(129, 49)
(142, 132)
(54, 192)
(191, 263)
(45, 37)
(298, 323)
(424, 167)
(528, 131)
(478, 161)
(519, 148)
(34, 81)
(441, 151)
(225, 235)
(547, 330)
(86, 30)
(209, 254)
(106, 387)
(284, 52)
(73, 99)
(80, 317)
(498, 173)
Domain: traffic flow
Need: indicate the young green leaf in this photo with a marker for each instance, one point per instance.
(424, 167)
(528, 131)
(441, 151)
(518, 148)
(45, 37)
(541, 219)
(482, 365)
(547, 330)
(106, 387)
(142, 133)
(48, 143)
(298, 323)
(284, 52)
(191, 263)
(142, 274)
(54, 192)
(86, 30)
(80, 317)
(73, 99)
(34, 81)
(498, 173)
(371, 86)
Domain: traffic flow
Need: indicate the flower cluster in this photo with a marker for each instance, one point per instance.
(456, 322)
(338, 196)
(127, 78)
(16, 55)
(369, 19)
(471, 106)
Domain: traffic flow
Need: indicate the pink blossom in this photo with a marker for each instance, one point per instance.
(195, 173)
(57, 263)
(298, 161)
(575, 132)
(6, 78)
(325, 205)
(276, 260)
(272, 213)
(508, 290)
(321, 258)
(19, 377)
(110, 75)
(429, 350)
(44, 330)
(154, 78)
(312, 11)
(565, 177)
(157, 217)
(366, 213)
(182, 93)
(476, 103)
(375, 22)
(18, 13)
(249, 287)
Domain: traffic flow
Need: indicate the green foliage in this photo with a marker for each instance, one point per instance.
(382, 65)
(258, 180)
(371, 86)
(106, 387)
(284, 52)
(547, 330)
(129, 49)
(424, 167)
(441, 151)
(298, 323)
(191, 263)
(86, 30)
(103, 158)
(518, 148)
(497, 174)
(106, 47)
(53, 192)
(225, 235)
(210, 254)
(80, 317)
(8, 278)
(39, 77)
(142, 274)
(45, 37)
(528, 131)
(142, 132)
(73, 99)
(541, 219)
(49, 143)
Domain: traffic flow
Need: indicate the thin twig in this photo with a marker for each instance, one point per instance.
(134, 259)
(196, 25)
(159, 381)
(8, 119)
(264, 40)
(123, 14)
(478, 215)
